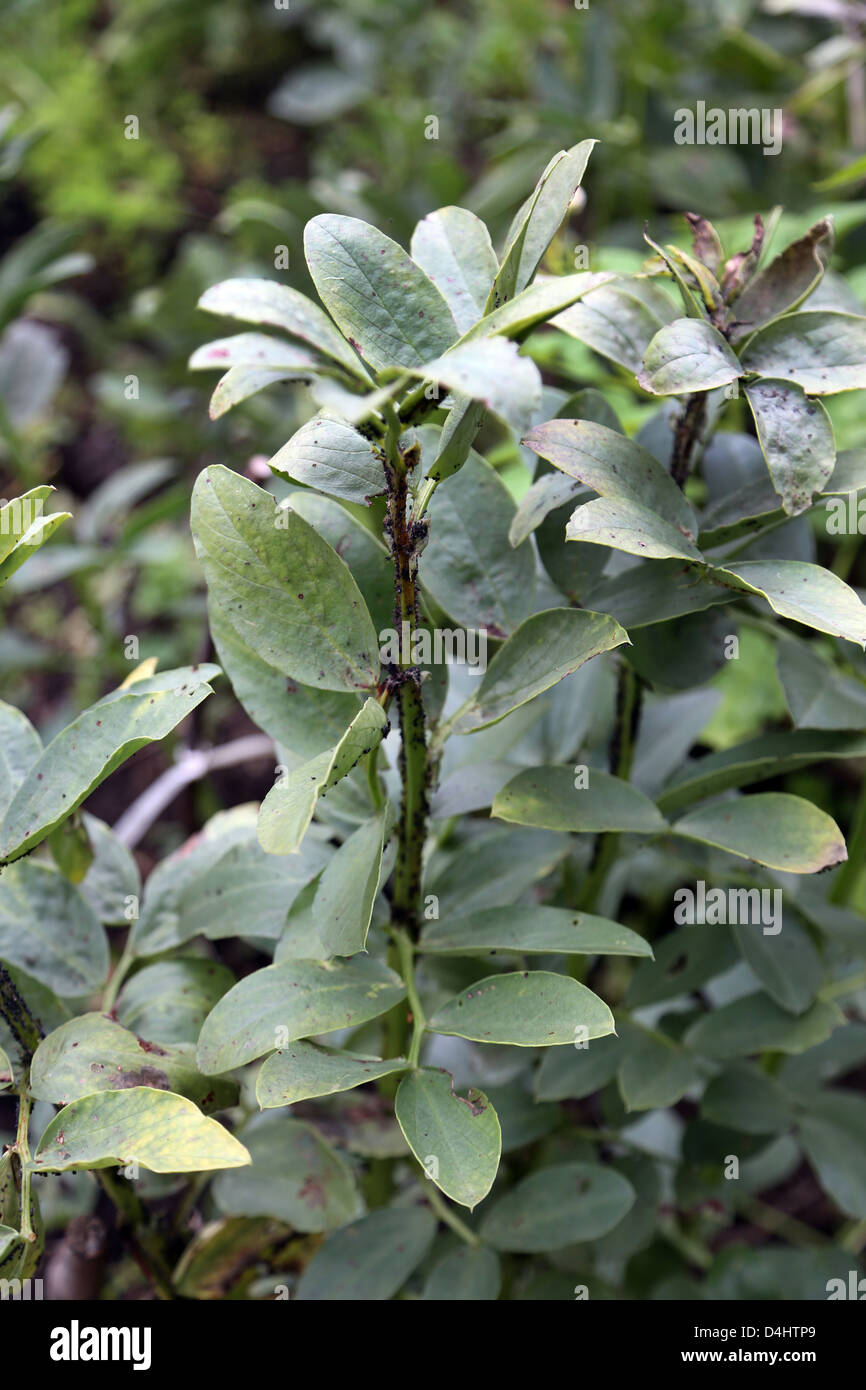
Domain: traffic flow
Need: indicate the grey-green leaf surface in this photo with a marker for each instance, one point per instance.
(470, 570)
(531, 930)
(89, 749)
(385, 305)
(831, 1133)
(538, 221)
(823, 351)
(370, 1260)
(627, 526)
(619, 320)
(755, 1023)
(796, 435)
(491, 371)
(295, 999)
(267, 301)
(526, 1008)
(614, 467)
(544, 649)
(469, 1274)
(294, 1176)
(288, 808)
(50, 931)
(20, 747)
(558, 1206)
(303, 1071)
(343, 904)
(655, 1073)
(456, 1138)
(92, 1053)
(170, 1000)
(553, 798)
(163, 1132)
(453, 248)
(287, 594)
(771, 828)
(806, 593)
(334, 457)
(688, 355)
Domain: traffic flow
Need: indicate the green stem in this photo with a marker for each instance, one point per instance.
(22, 1149)
(118, 975)
(375, 786)
(406, 953)
(687, 433)
(131, 1220)
(444, 1212)
(620, 759)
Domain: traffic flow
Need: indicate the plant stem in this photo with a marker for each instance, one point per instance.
(22, 1149)
(444, 1212)
(407, 969)
(118, 975)
(686, 436)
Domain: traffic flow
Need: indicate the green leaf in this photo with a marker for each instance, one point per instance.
(536, 304)
(571, 1073)
(20, 747)
(113, 878)
(295, 999)
(452, 246)
(745, 1097)
(688, 355)
(806, 593)
(92, 1053)
(366, 556)
(531, 930)
(831, 1133)
(462, 423)
(685, 960)
(343, 904)
(527, 1008)
(332, 456)
(614, 467)
(538, 221)
(239, 383)
(823, 351)
(163, 1132)
(303, 1071)
(787, 964)
(383, 302)
(295, 1176)
(543, 650)
(24, 528)
(627, 526)
(246, 890)
(786, 281)
(369, 1260)
(253, 351)
(655, 592)
(796, 435)
(90, 748)
(490, 370)
(553, 798)
(456, 1138)
(170, 1000)
(286, 593)
(47, 929)
(771, 828)
(770, 755)
(558, 1206)
(755, 1023)
(655, 1073)
(468, 1275)
(266, 301)
(296, 716)
(819, 695)
(288, 808)
(619, 320)
(471, 570)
